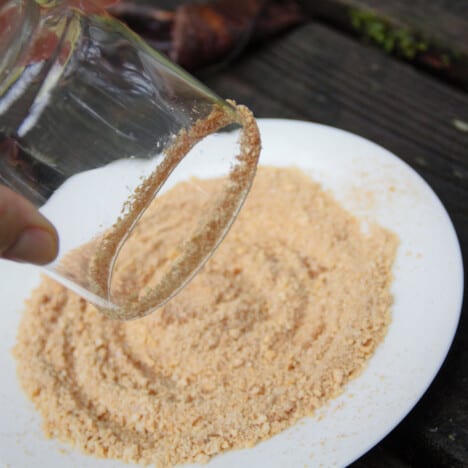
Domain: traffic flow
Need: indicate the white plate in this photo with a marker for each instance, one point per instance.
(376, 186)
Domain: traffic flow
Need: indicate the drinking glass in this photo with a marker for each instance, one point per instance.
(93, 124)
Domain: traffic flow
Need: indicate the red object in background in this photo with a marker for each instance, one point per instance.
(194, 35)
(6, 19)
(45, 43)
(201, 34)
(43, 47)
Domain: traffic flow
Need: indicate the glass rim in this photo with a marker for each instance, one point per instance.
(44, 55)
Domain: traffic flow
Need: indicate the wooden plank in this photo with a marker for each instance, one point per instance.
(317, 74)
(432, 34)
(381, 456)
(441, 20)
(429, 33)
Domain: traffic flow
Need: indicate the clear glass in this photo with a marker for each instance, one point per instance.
(89, 114)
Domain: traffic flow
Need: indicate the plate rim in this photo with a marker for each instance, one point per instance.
(459, 260)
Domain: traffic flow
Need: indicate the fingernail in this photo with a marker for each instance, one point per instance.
(34, 245)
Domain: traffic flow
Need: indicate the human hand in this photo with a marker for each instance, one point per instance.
(25, 235)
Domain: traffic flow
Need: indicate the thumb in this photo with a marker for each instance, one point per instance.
(25, 235)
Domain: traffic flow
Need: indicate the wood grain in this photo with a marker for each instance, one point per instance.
(442, 20)
(432, 34)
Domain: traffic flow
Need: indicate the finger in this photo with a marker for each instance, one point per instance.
(25, 235)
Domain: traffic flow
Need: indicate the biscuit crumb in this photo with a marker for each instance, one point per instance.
(288, 310)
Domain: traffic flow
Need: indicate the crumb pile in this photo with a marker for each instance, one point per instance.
(290, 307)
